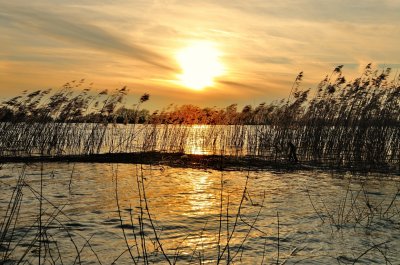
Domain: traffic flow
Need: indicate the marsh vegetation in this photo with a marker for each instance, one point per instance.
(339, 123)
(145, 212)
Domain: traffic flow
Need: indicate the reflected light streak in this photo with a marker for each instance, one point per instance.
(197, 147)
(200, 199)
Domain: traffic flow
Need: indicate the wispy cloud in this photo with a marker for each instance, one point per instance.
(242, 86)
(72, 29)
(264, 44)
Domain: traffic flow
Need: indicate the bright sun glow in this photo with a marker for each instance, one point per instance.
(200, 65)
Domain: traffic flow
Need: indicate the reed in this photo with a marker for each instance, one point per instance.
(147, 240)
(340, 123)
(43, 240)
(51, 236)
(355, 208)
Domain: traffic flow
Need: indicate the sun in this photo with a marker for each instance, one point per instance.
(200, 64)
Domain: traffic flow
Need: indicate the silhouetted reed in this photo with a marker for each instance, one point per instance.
(38, 241)
(355, 207)
(339, 123)
(50, 237)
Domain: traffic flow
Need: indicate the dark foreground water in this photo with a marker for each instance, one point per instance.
(196, 216)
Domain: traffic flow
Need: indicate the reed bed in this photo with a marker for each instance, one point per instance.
(339, 123)
(268, 142)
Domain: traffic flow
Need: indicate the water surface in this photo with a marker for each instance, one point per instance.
(324, 218)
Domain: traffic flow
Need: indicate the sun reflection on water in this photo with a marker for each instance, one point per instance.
(198, 150)
(200, 199)
(196, 145)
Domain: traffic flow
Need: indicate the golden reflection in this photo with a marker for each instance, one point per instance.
(200, 199)
(200, 127)
(198, 150)
(196, 144)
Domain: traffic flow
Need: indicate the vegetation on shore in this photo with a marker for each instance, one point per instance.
(339, 123)
(371, 99)
(344, 124)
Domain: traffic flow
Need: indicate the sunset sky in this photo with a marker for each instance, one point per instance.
(256, 48)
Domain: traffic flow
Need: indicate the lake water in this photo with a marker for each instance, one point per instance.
(324, 218)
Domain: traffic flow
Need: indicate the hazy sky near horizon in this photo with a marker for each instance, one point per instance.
(263, 45)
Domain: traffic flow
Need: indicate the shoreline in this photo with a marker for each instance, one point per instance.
(217, 162)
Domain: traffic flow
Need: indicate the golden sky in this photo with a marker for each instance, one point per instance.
(262, 45)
